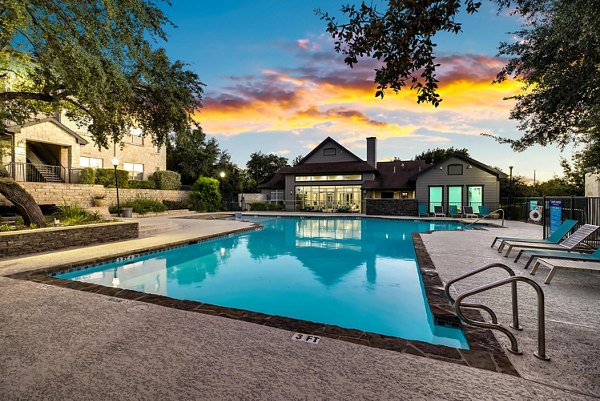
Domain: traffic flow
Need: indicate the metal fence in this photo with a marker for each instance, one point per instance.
(554, 209)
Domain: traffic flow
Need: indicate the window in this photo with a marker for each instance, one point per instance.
(136, 170)
(351, 177)
(90, 162)
(329, 152)
(387, 195)
(136, 136)
(455, 169)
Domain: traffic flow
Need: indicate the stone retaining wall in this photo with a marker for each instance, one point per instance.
(81, 194)
(392, 207)
(53, 238)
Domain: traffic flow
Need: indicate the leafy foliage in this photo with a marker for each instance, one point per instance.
(556, 56)
(175, 205)
(95, 60)
(400, 36)
(263, 206)
(433, 156)
(262, 167)
(141, 205)
(70, 215)
(205, 195)
(191, 155)
(557, 59)
(87, 176)
(141, 184)
(106, 177)
(166, 180)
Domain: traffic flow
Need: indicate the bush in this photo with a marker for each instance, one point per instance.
(264, 206)
(175, 205)
(138, 184)
(70, 215)
(205, 196)
(141, 206)
(87, 176)
(166, 179)
(106, 177)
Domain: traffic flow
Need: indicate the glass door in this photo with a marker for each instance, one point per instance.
(454, 198)
(435, 197)
(475, 197)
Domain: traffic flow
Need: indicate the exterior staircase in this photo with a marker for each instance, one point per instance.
(43, 170)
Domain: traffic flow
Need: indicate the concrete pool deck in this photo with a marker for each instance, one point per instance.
(58, 343)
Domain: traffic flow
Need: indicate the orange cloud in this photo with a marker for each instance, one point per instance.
(340, 102)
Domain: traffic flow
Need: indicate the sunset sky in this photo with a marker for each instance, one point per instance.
(275, 84)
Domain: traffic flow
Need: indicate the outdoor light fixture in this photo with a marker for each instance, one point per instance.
(115, 163)
(222, 174)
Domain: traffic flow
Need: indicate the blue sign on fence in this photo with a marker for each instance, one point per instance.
(555, 215)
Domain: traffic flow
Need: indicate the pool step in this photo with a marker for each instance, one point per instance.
(149, 230)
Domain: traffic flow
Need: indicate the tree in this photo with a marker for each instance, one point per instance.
(262, 167)
(94, 60)
(297, 160)
(191, 155)
(520, 189)
(205, 195)
(557, 57)
(433, 156)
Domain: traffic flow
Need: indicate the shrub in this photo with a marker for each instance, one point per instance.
(138, 184)
(87, 176)
(70, 215)
(175, 205)
(106, 177)
(166, 179)
(141, 206)
(205, 196)
(263, 206)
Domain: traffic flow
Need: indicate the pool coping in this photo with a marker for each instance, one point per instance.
(485, 352)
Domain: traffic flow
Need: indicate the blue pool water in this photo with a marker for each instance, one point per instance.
(352, 272)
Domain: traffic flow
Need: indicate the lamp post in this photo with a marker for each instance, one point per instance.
(115, 163)
(222, 175)
(510, 184)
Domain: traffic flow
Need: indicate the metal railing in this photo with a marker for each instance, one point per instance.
(488, 215)
(30, 172)
(512, 280)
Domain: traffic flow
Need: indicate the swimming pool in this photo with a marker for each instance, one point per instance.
(357, 273)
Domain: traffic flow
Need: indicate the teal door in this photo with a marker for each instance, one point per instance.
(475, 197)
(435, 197)
(455, 196)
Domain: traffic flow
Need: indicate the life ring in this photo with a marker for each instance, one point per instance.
(535, 215)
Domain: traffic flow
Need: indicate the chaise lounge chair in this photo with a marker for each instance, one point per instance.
(468, 211)
(423, 210)
(572, 264)
(568, 244)
(590, 257)
(556, 236)
(483, 211)
(453, 210)
(438, 211)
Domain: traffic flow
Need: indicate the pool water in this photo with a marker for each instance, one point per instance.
(357, 273)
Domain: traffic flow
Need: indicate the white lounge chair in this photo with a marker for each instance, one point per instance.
(555, 264)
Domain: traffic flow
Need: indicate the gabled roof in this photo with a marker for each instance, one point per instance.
(468, 160)
(277, 182)
(397, 174)
(327, 168)
(78, 138)
(319, 146)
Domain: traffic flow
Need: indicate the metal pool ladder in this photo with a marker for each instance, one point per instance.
(512, 280)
